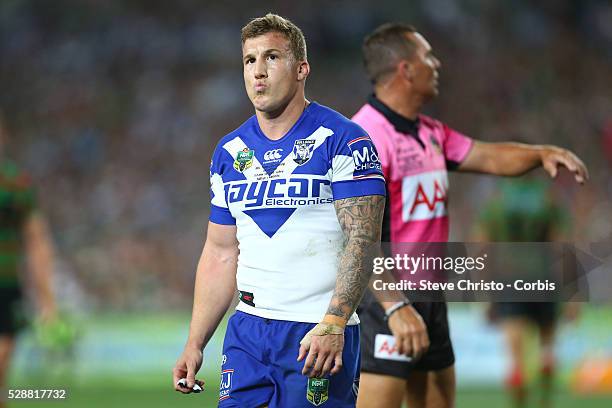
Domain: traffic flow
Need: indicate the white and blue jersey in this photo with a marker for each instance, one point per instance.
(280, 195)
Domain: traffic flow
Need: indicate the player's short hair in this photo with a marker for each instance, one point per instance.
(275, 23)
(385, 47)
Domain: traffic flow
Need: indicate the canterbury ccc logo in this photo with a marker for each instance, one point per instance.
(273, 154)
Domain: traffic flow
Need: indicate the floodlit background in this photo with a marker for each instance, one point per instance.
(114, 107)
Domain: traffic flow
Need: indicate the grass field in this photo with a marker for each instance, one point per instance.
(126, 361)
(136, 397)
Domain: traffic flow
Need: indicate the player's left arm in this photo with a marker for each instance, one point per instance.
(40, 256)
(515, 159)
(361, 221)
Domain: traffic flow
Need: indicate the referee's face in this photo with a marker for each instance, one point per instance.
(424, 66)
(271, 74)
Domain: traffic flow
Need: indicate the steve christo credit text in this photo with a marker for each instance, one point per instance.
(459, 265)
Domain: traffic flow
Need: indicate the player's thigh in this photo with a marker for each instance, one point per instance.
(441, 385)
(293, 389)
(377, 390)
(244, 381)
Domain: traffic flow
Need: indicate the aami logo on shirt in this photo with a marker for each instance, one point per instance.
(424, 195)
(226, 384)
(364, 154)
(385, 348)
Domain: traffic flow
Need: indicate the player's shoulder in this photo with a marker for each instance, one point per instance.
(337, 122)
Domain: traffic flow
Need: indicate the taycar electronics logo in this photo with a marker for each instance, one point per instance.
(292, 192)
(244, 159)
(302, 150)
(270, 203)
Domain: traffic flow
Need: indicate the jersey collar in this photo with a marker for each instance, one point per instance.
(400, 123)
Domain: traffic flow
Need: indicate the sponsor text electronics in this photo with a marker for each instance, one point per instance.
(278, 192)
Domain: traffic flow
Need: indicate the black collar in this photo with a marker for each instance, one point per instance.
(399, 122)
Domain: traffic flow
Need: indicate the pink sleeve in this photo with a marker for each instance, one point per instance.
(456, 145)
(382, 147)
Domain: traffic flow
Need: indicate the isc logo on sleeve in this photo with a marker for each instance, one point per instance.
(385, 348)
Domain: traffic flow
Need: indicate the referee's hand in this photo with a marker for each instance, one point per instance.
(187, 366)
(552, 157)
(322, 346)
(410, 332)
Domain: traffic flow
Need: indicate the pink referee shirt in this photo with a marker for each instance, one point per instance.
(415, 156)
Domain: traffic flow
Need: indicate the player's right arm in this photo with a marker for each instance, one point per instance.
(215, 287)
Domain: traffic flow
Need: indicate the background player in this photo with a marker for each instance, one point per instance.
(295, 219)
(23, 233)
(416, 151)
(525, 211)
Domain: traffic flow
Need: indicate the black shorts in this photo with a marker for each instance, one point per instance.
(11, 315)
(540, 313)
(375, 358)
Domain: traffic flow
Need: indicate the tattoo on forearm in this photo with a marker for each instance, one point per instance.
(361, 220)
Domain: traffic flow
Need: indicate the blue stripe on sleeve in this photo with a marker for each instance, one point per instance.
(220, 215)
(358, 188)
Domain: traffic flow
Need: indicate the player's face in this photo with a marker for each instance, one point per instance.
(271, 73)
(425, 67)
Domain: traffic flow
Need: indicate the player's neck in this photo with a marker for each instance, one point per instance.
(407, 105)
(275, 125)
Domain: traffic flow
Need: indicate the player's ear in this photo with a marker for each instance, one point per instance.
(303, 70)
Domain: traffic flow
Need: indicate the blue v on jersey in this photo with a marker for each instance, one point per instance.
(280, 196)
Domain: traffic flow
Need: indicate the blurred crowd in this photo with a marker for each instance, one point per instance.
(115, 107)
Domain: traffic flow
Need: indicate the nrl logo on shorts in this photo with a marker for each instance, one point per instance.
(244, 159)
(318, 391)
(302, 150)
